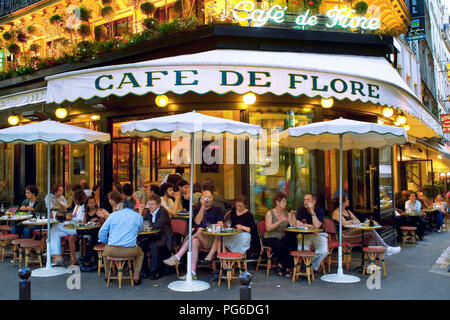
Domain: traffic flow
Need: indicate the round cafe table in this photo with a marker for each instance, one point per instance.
(16, 217)
(303, 230)
(148, 232)
(83, 229)
(362, 227)
(221, 234)
(41, 223)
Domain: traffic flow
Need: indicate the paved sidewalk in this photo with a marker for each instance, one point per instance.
(410, 276)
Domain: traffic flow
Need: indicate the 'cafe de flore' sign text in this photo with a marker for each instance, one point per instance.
(337, 17)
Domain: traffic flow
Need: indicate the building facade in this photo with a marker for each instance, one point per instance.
(313, 61)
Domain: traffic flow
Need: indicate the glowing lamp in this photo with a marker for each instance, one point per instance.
(406, 127)
(388, 112)
(162, 101)
(249, 98)
(61, 113)
(95, 117)
(307, 109)
(13, 120)
(380, 121)
(401, 119)
(397, 123)
(327, 103)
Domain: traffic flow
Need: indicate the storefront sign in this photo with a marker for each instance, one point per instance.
(337, 17)
(417, 29)
(24, 98)
(445, 120)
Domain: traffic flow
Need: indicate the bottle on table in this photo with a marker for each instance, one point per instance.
(2, 210)
(371, 223)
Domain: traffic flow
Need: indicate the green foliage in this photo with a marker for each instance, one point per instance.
(7, 36)
(107, 12)
(361, 8)
(34, 47)
(147, 8)
(178, 6)
(438, 188)
(100, 32)
(84, 30)
(85, 14)
(55, 19)
(22, 37)
(13, 49)
(189, 23)
(151, 24)
(167, 28)
(31, 30)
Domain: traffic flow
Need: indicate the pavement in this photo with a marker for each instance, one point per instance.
(411, 275)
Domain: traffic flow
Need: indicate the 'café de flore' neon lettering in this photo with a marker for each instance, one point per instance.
(343, 18)
(229, 78)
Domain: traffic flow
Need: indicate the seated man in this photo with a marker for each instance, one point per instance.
(157, 244)
(206, 214)
(312, 216)
(120, 232)
(56, 199)
(34, 206)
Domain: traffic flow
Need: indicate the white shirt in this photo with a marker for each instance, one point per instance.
(52, 201)
(154, 215)
(412, 207)
(168, 205)
(78, 214)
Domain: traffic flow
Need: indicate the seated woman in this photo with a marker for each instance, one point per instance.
(241, 219)
(58, 231)
(371, 237)
(92, 213)
(441, 209)
(167, 193)
(275, 237)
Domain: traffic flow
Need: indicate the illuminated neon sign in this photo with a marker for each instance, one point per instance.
(338, 17)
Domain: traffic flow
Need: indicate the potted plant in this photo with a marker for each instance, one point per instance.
(148, 8)
(35, 48)
(151, 24)
(108, 14)
(361, 8)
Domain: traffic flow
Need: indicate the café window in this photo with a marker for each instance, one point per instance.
(6, 173)
(386, 178)
(295, 172)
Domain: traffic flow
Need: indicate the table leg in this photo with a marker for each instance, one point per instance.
(303, 242)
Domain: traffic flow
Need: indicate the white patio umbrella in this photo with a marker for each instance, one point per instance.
(188, 123)
(50, 132)
(345, 135)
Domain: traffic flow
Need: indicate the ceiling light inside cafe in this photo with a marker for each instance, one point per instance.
(13, 120)
(61, 113)
(162, 101)
(327, 103)
(249, 98)
(388, 112)
(401, 119)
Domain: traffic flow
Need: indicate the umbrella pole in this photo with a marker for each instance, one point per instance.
(340, 271)
(189, 253)
(190, 285)
(48, 270)
(49, 255)
(340, 277)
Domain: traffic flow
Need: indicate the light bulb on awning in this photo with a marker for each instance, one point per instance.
(388, 112)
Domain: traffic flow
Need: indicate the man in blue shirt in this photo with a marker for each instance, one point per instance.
(207, 214)
(312, 216)
(120, 232)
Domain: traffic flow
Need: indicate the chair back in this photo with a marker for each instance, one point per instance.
(261, 228)
(330, 228)
(178, 226)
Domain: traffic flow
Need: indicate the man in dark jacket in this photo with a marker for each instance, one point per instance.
(160, 244)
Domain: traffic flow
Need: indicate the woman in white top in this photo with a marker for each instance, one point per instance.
(167, 193)
(440, 207)
(58, 231)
